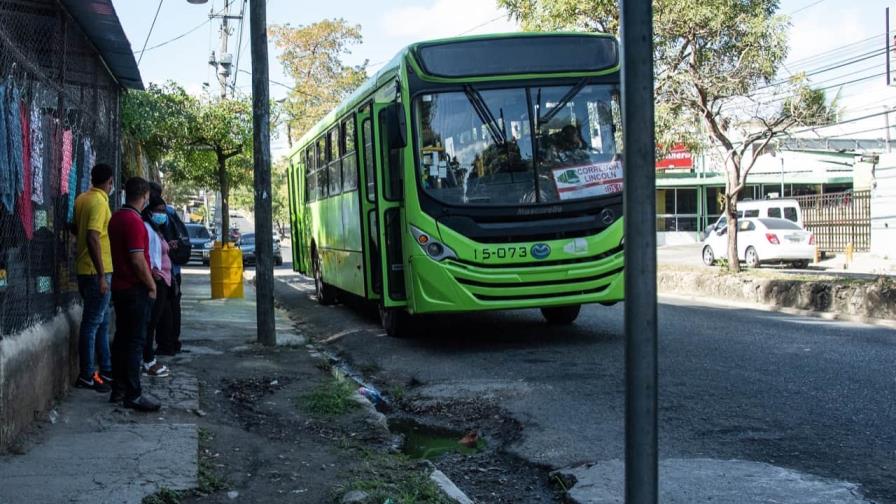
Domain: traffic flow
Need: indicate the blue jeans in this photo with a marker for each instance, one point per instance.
(94, 335)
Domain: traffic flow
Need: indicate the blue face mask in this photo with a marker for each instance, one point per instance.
(160, 219)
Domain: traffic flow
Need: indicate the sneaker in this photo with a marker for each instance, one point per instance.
(143, 403)
(106, 376)
(92, 384)
(155, 369)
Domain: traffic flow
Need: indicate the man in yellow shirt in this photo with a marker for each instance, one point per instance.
(94, 267)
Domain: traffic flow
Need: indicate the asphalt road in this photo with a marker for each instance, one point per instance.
(801, 393)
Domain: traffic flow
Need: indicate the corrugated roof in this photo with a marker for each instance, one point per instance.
(98, 20)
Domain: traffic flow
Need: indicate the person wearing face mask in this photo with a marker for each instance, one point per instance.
(155, 217)
(133, 292)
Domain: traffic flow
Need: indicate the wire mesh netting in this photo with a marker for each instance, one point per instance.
(58, 117)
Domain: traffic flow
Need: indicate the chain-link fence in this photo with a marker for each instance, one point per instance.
(58, 117)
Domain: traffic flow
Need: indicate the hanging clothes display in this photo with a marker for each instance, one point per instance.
(16, 149)
(37, 157)
(24, 204)
(89, 160)
(72, 191)
(66, 164)
(7, 186)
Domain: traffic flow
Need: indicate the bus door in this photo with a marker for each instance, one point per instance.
(369, 218)
(295, 204)
(390, 134)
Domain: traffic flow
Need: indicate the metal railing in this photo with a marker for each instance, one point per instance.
(838, 219)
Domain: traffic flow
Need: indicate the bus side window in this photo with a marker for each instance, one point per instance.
(774, 212)
(369, 173)
(790, 214)
(335, 164)
(322, 168)
(349, 157)
(751, 213)
(310, 176)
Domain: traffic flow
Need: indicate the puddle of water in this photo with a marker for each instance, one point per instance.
(421, 442)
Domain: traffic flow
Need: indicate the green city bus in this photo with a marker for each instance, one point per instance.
(473, 173)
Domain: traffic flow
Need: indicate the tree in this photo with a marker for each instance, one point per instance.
(204, 142)
(810, 108)
(711, 58)
(312, 56)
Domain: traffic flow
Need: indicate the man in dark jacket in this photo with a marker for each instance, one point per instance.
(175, 233)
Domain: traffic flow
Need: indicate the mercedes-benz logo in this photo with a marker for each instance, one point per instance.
(607, 216)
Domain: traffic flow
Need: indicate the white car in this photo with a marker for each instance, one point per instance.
(763, 240)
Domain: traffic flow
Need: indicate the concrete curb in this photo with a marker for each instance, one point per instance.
(872, 302)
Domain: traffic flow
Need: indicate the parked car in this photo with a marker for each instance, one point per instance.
(774, 208)
(761, 241)
(202, 242)
(247, 245)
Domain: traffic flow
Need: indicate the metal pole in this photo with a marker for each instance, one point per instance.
(782, 176)
(887, 40)
(261, 115)
(636, 29)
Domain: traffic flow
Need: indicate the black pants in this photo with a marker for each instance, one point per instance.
(175, 313)
(158, 327)
(132, 310)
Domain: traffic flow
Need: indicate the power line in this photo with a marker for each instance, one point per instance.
(837, 49)
(481, 25)
(838, 123)
(175, 39)
(813, 4)
(153, 25)
(239, 44)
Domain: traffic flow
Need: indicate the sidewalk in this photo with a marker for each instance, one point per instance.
(863, 266)
(89, 451)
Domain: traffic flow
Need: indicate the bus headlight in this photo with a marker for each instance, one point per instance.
(432, 247)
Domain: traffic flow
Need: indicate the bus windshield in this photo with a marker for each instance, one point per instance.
(476, 147)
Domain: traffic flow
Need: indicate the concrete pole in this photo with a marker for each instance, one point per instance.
(222, 49)
(639, 206)
(887, 123)
(782, 176)
(261, 117)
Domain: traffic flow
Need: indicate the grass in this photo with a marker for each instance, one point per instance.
(332, 398)
(386, 477)
(163, 496)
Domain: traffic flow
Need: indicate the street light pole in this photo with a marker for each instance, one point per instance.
(639, 206)
(261, 114)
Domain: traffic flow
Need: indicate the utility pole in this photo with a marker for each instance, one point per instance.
(639, 208)
(887, 40)
(887, 123)
(261, 118)
(223, 60)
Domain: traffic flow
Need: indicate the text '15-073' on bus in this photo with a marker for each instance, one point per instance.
(475, 173)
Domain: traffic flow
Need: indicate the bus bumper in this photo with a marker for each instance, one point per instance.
(451, 286)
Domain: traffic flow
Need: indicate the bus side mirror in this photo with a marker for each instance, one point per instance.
(396, 126)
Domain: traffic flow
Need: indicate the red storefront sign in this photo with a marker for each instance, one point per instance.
(677, 158)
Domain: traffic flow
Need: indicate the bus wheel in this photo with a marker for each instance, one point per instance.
(396, 322)
(561, 315)
(326, 294)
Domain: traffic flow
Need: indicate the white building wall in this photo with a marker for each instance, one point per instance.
(883, 208)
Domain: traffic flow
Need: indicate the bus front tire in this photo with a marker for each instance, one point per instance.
(326, 294)
(561, 315)
(396, 322)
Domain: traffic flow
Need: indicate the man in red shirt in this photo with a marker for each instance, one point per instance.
(133, 293)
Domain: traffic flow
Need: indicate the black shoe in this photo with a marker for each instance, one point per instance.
(106, 376)
(92, 384)
(142, 403)
(117, 395)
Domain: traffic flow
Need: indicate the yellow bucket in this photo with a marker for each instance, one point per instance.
(227, 271)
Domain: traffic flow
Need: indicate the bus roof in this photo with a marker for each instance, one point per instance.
(392, 68)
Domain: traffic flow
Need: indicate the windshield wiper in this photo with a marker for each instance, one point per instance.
(562, 103)
(485, 114)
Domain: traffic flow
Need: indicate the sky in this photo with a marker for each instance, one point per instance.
(818, 28)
